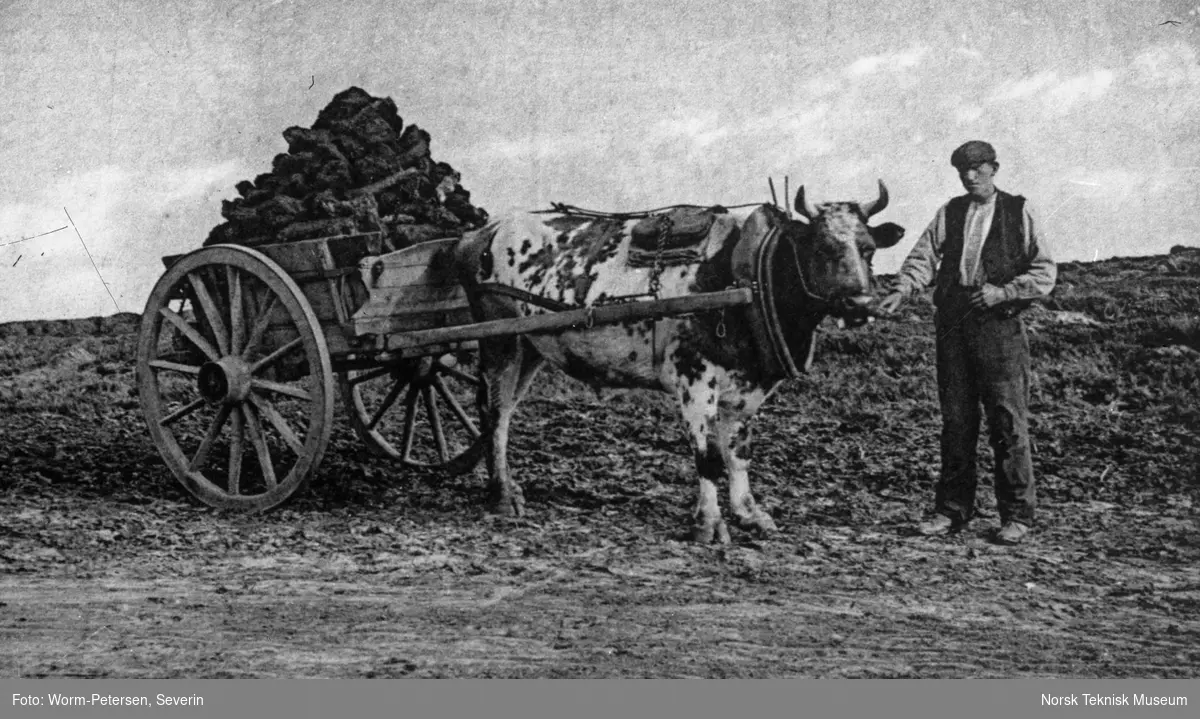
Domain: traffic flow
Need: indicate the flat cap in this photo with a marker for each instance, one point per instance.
(972, 153)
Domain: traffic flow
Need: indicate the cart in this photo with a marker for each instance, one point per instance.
(243, 350)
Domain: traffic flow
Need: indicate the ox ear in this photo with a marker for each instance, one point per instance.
(886, 235)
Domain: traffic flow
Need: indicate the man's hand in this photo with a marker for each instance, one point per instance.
(987, 297)
(888, 305)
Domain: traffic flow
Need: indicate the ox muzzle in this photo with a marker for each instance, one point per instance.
(852, 311)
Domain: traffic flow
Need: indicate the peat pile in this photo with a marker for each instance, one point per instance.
(358, 169)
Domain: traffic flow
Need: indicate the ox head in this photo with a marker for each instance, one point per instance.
(834, 253)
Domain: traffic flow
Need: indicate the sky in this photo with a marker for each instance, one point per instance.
(125, 123)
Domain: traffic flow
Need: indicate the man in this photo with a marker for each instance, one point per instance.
(989, 261)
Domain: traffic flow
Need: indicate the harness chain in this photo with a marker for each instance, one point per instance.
(664, 230)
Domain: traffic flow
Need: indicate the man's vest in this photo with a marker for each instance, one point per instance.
(1003, 257)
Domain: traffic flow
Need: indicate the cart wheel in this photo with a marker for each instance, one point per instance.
(234, 378)
(424, 411)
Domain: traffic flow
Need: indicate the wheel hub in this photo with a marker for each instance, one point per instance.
(227, 380)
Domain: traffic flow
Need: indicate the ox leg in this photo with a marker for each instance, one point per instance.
(531, 363)
(698, 405)
(509, 368)
(734, 436)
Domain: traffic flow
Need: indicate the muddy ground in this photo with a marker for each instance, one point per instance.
(109, 569)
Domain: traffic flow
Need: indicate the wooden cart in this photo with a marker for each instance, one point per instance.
(240, 350)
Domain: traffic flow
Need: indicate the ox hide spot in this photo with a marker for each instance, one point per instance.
(597, 242)
(709, 464)
(583, 369)
(742, 447)
(688, 364)
(542, 261)
(526, 246)
(633, 355)
(512, 257)
(641, 330)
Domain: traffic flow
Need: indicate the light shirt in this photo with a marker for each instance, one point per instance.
(920, 268)
(975, 231)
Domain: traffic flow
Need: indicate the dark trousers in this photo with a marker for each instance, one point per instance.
(983, 359)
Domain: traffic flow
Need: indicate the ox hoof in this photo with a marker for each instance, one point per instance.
(711, 532)
(509, 504)
(759, 523)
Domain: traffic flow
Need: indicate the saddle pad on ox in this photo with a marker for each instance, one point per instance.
(689, 234)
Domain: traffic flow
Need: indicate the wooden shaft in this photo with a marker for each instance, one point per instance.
(555, 321)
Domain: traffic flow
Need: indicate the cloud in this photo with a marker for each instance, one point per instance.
(191, 182)
(1083, 87)
(1120, 183)
(966, 114)
(803, 125)
(1166, 67)
(1058, 95)
(1015, 90)
(894, 61)
(701, 130)
(544, 145)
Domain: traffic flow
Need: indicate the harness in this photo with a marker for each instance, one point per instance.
(753, 265)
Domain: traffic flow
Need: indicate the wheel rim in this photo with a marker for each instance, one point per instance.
(232, 365)
(423, 412)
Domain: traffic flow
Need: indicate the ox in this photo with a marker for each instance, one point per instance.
(708, 360)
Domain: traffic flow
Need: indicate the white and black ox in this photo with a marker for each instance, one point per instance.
(708, 360)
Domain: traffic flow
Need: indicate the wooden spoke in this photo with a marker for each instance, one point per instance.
(260, 326)
(214, 430)
(237, 322)
(368, 376)
(210, 311)
(266, 409)
(435, 422)
(280, 388)
(410, 421)
(455, 407)
(175, 367)
(387, 403)
(181, 412)
(190, 332)
(235, 452)
(455, 372)
(276, 355)
(259, 440)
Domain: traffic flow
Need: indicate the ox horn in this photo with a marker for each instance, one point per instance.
(803, 206)
(871, 208)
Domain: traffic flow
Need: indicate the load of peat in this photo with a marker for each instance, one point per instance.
(357, 170)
